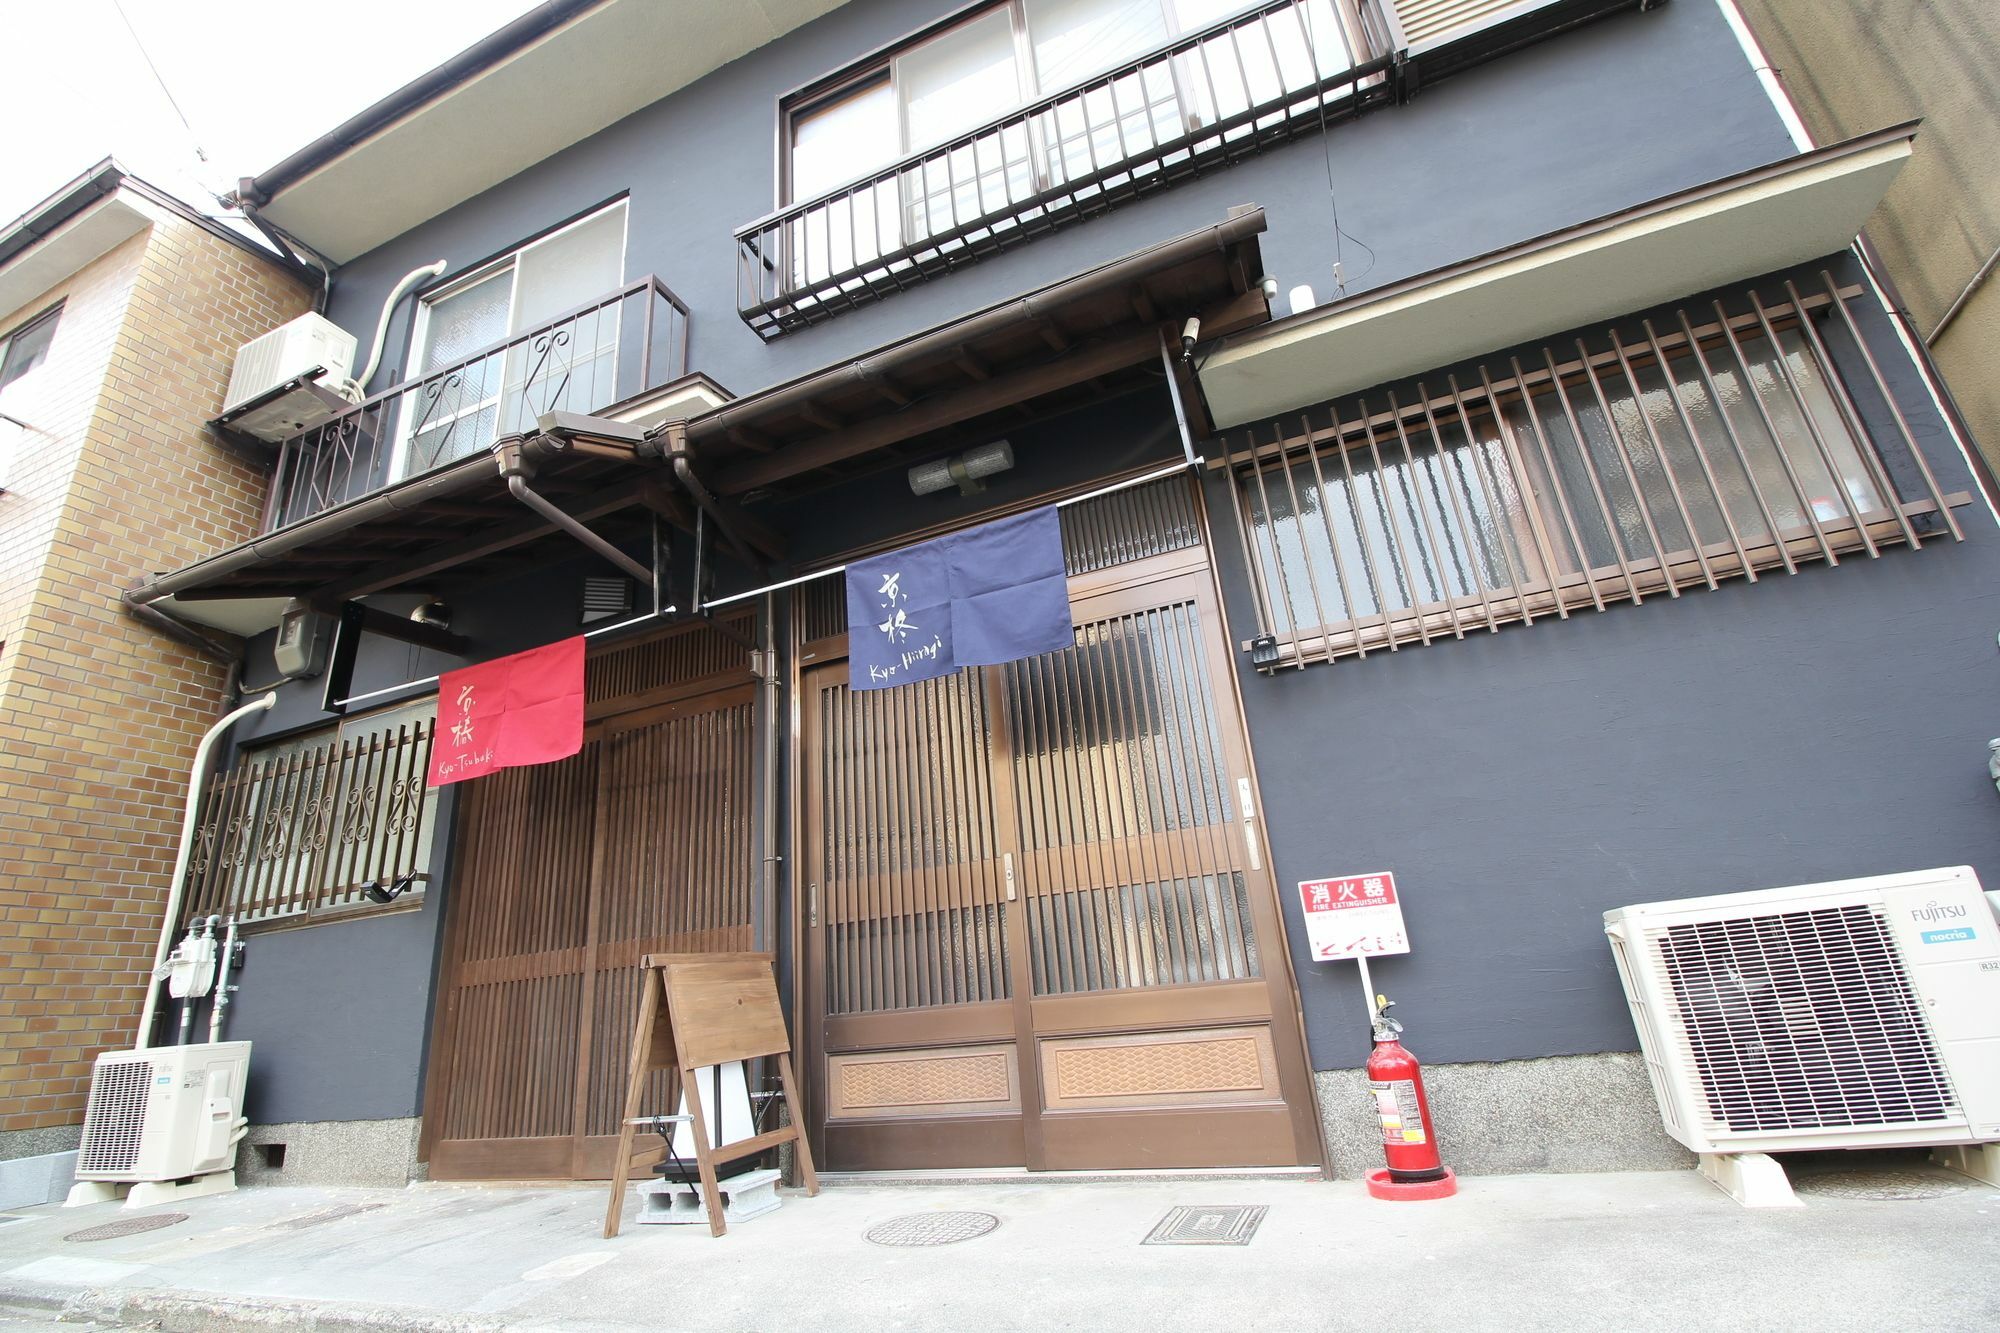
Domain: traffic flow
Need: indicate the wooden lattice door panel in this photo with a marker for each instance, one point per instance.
(908, 901)
(503, 1086)
(912, 883)
(1133, 856)
(1095, 804)
(675, 872)
(569, 873)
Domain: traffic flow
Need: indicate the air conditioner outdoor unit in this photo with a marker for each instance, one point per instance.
(163, 1114)
(1863, 1013)
(283, 354)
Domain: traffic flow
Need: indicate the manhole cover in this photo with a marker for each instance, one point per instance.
(1874, 1185)
(932, 1228)
(128, 1226)
(333, 1214)
(1211, 1224)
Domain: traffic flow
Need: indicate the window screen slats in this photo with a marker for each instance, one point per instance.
(1593, 470)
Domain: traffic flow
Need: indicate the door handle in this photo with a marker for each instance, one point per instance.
(1007, 871)
(812, 904)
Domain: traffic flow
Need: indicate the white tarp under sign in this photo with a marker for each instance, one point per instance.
(1357, 916)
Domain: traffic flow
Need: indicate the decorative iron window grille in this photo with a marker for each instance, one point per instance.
(1207, 99)
(1714, 443)
(297, 830)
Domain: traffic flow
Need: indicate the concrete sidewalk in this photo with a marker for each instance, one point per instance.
(1630, 1251)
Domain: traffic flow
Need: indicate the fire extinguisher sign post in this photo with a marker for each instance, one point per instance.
(1360, 917)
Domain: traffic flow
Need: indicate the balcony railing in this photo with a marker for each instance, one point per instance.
(1207, 99)
(600, 353)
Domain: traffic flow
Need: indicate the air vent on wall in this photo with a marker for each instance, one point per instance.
(606, 598)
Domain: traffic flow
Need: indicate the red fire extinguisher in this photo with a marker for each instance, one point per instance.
(1415, 1170)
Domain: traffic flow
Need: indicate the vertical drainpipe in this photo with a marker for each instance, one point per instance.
(1788, 115)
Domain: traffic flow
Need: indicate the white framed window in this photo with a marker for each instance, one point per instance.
(503, 344)
(955, 79)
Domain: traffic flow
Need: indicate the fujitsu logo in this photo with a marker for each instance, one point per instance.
(1937, 911)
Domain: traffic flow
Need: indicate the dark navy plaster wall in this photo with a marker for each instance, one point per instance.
(1805, 728)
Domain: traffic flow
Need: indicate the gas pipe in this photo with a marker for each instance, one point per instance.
(1396, 1080)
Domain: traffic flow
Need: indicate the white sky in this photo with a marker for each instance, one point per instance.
(258, 79)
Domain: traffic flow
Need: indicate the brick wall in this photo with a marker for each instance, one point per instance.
(99, 716)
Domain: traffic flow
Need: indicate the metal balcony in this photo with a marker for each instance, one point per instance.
(1199, 103)
(600, 353)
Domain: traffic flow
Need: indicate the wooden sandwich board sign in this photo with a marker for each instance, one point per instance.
(697, 1010)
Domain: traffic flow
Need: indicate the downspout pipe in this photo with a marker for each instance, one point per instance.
(178, 885)
(179, 631)
(515, 467)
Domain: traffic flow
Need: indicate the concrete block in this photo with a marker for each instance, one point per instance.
(749, 1195)
(28, 1181)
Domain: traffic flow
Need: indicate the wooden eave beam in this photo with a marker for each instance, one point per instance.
(1000, 391)
(498, 537)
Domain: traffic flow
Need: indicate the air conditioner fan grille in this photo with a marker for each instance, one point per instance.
(115, 1119)
(1804, 1020)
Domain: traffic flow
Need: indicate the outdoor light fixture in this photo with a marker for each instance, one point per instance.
(1190, 331)
(1264, 651)
(962, 470)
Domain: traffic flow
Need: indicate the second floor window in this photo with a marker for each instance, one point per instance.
(978, 125)
(507, 342)
(1015, 52)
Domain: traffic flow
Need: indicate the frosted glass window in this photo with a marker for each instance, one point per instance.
(845, 138)
(962, 79)
(1077, 38)
(573, 266)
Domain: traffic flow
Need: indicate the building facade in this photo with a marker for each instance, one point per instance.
(124, 311)
(1586, 534)
(1938, 230)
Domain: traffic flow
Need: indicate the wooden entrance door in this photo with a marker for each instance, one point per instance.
(1039, 929)
(567, 874)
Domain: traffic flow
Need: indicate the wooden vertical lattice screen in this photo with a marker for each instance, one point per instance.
(1612, 466)
(568, 873)
(1126, 821)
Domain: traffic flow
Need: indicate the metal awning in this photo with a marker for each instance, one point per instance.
(1755, 222)
(1097, 332)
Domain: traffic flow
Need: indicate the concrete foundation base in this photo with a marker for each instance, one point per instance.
(1753, 1179)
(146, 1193)
(1563, 1113)
(332, 1152)
(749, 1195)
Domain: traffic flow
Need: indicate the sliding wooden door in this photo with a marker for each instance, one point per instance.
(567, 873)
(1039, 931)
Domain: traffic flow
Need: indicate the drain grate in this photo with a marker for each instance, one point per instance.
(128, 1226)
(1874, 1184)
(314, 1219)
(932, 1228)
(1209, 1224)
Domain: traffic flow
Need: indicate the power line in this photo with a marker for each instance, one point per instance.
(146, 55)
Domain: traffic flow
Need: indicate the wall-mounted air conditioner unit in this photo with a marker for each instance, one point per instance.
(1863, 1013)
(284, 354)
(166, 1113)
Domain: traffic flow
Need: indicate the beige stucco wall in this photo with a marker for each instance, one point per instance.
(1857, 65)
